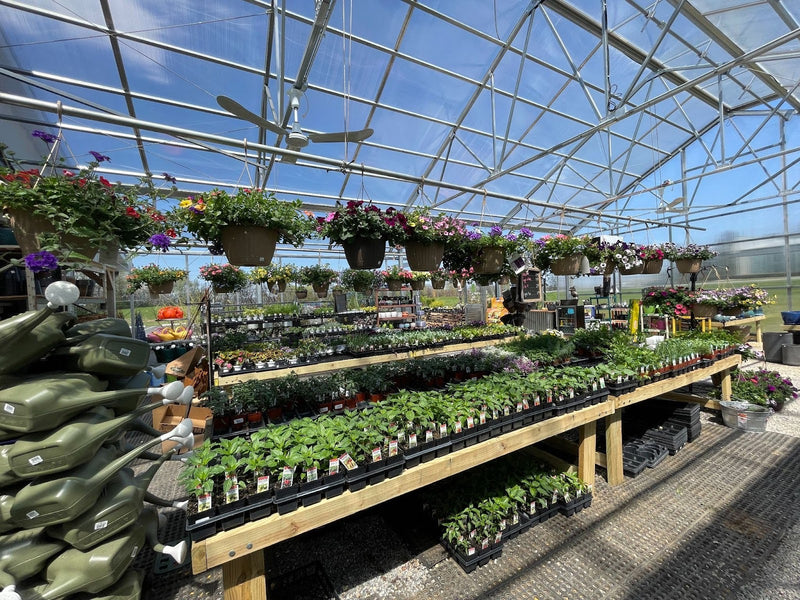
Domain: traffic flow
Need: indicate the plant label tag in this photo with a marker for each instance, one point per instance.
(9, 408)
(262, 485)
(602, 382)
(442, 429)
(571, 393)
(473, 533)
(549, 399)
(428, 436)
(287, 477)
(35, 460)
(323, 409)
(532, 508)
(470, 422)
(401, 435)
(100, 525)
(393, 448)
(482, 418)
(204, 502)
(468, 370)
(470, 550)
(741, 419)
(503, 524)
(525, 404)
(484, 543)
(311, 474)
(412, 440)
(619, 378)
(232, 495)
(238, 421)
(495, 414)
(506, 410)
(594, 385)
(498, 537)
(519, 406)
(376, 454)
(515, 518)
(338, 406)
(333, 466)
(536, 400)
(348, 461)
(457, 427)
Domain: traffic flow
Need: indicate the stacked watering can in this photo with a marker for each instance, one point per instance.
(72, 514)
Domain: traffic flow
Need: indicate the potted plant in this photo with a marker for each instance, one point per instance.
(688, 258)
(653, 256)
(76, 211)
(425, 237)
(224, 278)
(667, 301)
(220, 404)
(395, 277)
(489, 250)
(159, 280)
(418, 279)
(247, 225)
(439, 278)
(560, 253)
(318, 277)
(625, 256)
(359, 280)
(362, 229)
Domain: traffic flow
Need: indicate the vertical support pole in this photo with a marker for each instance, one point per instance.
(614, 448)
(243, 578)
(587, 450)
(787, 249)
(207, 301)
(725, 384)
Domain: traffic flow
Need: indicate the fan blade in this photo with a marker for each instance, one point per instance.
(289, 158)
(341, 136)
(240, 111)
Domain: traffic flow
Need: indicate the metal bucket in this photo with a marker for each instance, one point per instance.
(745, 416)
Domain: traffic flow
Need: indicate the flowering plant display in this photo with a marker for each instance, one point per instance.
(206, 215)
(317, 274)
(720, 298)
(225, 276)
(273, 273)
(439, 274)
(359, 279)
(395, 273)
(41, 261)
(83, 208)
(360, 220)
(751, 297)
(420, 226)
(762, 387)
(458, 276)
(461, 251)
(152, 274)
(652, 252)
(623, 255)
(674, 252)
(420, 275)
(551, 247)
(667, 301)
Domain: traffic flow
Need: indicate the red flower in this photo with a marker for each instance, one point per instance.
(171, 233)
(131, 212)
(105, 182)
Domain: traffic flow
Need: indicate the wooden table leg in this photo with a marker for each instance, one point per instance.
(243, 578)
(758, 332)
(725, 384)
(614, 448)
(587, 448)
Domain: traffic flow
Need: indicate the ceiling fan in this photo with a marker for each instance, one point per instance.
(671, 206)
(297, 139)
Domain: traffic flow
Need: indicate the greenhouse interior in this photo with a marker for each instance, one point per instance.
(412, 299)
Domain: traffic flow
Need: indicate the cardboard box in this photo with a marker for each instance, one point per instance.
(166, 418)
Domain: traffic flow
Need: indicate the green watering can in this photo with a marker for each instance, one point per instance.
(44, 402)
(127, 588)
(92, 572)
(24, 553)
(119, 505)
(101, 354)
(52, 500)
(150, 520)
(29, 336)
(74, 442)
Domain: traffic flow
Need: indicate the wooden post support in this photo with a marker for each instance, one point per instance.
(725, 385)
(587, 447)
(614, 448)
(243, 578)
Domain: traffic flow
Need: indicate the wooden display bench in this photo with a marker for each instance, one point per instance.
(238, 551)
(350, 363)
(741, 322)
(791, 327)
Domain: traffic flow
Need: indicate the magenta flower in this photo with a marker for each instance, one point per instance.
(47, 138)
(99, 157)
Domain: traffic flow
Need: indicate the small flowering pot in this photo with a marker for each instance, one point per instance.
(438, 284)
(689, 265)
(249, 245)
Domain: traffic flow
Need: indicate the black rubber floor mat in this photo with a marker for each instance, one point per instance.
(307, 582)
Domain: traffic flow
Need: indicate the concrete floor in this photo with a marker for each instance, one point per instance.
(720, 519)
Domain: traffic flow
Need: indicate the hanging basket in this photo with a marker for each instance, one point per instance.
(27, 226)
(733, 311)
(321, 289)
(301, 294)
(160, 288)
(635, 270)
(281, 283)
(364, 254)
(438, 284)
(249, 245)
(221, 288)
(424, 256)
(504, 280)
(569, 265)
(360, 288)
(489, 261)
(703, 310)
(418, 285)
(689, 265)
(394, 285)
(653, 266)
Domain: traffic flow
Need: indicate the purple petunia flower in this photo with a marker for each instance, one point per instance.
(168, 177)
(99, 157)
(159, 241)
(525, 232)
(496, 231)
(41, 261)
(474, 235)
(48, 138)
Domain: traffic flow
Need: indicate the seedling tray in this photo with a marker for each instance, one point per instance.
(202, 525)
(674, 437)
(479, 559)
(617, 389)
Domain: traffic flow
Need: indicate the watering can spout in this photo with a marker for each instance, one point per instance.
(10, 593)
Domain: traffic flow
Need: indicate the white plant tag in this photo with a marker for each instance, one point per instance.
(262, 485)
